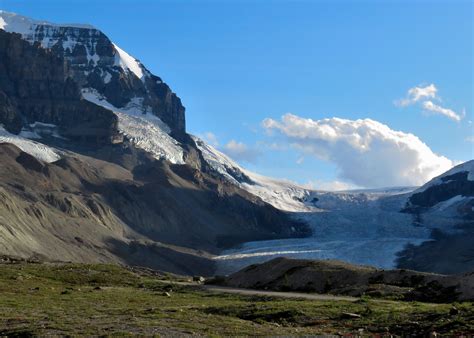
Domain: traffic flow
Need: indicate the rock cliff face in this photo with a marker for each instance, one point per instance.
(95, 62)
(35, 86)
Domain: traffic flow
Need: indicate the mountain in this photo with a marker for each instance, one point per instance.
(96, 63)
(97, 165)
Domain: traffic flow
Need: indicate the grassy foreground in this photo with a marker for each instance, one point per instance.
(40, 299)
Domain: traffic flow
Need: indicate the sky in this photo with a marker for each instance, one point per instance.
(329, 94)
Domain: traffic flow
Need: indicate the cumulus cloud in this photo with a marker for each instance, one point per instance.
(424, 96)
(433, 108)
(241, 152)
(366, 152)
(418, 93)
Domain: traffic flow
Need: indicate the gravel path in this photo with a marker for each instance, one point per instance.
(249, 292)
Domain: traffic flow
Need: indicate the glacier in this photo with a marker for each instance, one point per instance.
(144, 130)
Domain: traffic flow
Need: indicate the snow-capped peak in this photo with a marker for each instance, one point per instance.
(12, 22)
(28, 28)
(94, 61)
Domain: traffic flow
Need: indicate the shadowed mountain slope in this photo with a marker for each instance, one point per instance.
(83, 209)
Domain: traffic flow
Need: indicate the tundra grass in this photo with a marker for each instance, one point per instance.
(67, 299)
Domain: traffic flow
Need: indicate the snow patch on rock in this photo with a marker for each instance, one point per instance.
(450, 202)
(38, 150)
(128, 63)
(107, 77)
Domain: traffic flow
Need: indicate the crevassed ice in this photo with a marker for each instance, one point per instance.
(144, 130)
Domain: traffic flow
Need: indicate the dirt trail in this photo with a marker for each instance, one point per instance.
(252, 292)
(299, 295)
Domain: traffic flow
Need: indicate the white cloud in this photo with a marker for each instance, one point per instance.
(366, 152)
(241, 152)
(436, 109)
(416, 94)
(424, 95)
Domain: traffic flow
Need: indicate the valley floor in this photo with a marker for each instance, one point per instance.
(43, 299)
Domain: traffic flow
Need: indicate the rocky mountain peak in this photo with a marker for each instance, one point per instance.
(96, 63)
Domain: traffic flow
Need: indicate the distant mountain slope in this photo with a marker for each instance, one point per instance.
(445, 205)
(452, 190)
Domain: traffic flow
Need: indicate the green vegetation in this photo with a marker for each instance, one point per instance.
(42, 299)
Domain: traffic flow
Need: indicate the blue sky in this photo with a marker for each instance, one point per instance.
(236, 63)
